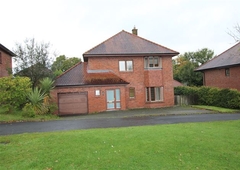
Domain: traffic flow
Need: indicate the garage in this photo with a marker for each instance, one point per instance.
(72, 103)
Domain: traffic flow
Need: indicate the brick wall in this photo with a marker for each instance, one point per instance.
(5, 65)
(217, 78)
(95, 103)
(140, 78)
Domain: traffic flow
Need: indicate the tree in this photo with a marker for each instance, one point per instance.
(235, 34)
(33, 60)
(184, 66)
(62, 63)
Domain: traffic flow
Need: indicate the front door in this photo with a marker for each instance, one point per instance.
(113, 99)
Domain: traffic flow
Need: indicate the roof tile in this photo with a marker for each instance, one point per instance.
(229, 57)
(125, 43)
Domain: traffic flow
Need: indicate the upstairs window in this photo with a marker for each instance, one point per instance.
(152, 62)
(154, 94)
(227, 72)
(126, 65)
(0, 58)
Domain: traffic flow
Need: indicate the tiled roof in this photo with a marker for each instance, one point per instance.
(7, 50)
(176, 83)
(228, 58)
(78, 76)
(124, 44)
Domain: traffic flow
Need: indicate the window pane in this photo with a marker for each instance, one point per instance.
(152, 93)
(118, 105)
(157, 94)
(150, 60)
(129, 66)
(146, 62)
(147, 94)
(117, 94)
(122, 66)
(131, 92)
(156, 62)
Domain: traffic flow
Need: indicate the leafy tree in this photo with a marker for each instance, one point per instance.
(33, 60)
(62, 63)
(184, 66)
(14, 92)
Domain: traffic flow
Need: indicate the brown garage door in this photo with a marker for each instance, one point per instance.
(72, 103)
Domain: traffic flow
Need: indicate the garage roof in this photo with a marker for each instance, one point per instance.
(79, 76)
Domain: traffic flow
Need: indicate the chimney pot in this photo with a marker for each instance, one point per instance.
(135, 31)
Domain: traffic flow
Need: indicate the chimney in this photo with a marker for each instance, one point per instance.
(135, 31)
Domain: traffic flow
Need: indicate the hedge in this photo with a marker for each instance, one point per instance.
(212, 96)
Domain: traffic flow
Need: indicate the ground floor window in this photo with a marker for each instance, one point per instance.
(154, 94)
(131, 92)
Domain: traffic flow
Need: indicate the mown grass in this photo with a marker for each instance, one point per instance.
(212, 145)
(215, 108)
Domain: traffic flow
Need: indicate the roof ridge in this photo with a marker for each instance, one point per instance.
(80, 62)
(151, 42)
(103, 42)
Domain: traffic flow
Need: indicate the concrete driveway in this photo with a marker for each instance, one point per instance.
(137, 117)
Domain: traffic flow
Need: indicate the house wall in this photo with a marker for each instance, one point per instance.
(217, 78)
(6, 64)
(139, 79)
(95, 103)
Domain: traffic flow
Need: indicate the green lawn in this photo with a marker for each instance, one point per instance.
(212, 145)
(215, 108)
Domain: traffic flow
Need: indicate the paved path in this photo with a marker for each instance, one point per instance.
(118, 119)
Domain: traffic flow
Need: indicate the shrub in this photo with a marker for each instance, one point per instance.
(212, 96)
(28, 111)
(14, 92)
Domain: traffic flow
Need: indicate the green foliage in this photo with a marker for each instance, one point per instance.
(36, 98)
(184, 66)
(63, 63)
(212, 96)
(28, 111)
(46, 85)
(14, 92)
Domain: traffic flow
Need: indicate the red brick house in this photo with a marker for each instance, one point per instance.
(5, 61)
(223, 71)
(124, 72)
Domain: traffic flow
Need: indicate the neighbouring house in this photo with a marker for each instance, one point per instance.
(123, 72)
(5, 61)
(223, 71)
(177, 83)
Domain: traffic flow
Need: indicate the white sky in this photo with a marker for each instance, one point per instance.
(74, 26)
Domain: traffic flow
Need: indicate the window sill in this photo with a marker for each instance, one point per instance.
(160, 101)
(158, 68)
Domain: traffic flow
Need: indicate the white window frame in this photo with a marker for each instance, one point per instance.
(150, 62)
(125, 65)
(154, 94)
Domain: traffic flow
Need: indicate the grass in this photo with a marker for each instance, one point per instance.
(212, 145)
(215, 108)
(16, 116)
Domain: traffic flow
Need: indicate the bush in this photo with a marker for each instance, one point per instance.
(14, 92)
(212, 96)
(28, 111)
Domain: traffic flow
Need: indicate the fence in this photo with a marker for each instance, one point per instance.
(185, 100)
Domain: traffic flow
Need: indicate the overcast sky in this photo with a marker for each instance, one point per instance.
(74, 26)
